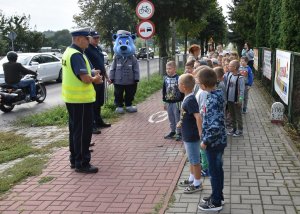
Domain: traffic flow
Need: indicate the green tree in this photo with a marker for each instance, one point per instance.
(216, 25)
(106, 16)
(242, 15)
(26, 40)
(274, 22)
(34, 41)
(289, 26)
(170, 10)
(190, 29)
(263, 26)
(61, 38)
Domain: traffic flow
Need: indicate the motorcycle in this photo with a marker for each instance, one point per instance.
(11, 96)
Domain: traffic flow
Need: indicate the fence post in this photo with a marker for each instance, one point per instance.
(291, 89)
(273, 61)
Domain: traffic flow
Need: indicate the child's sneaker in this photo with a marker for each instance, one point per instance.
(178, 137)
(205, 173)
(238, 133)
(185, 183)
(191, 189)
(209, 206)
(231, 132)
(170, 135)
(207, 199)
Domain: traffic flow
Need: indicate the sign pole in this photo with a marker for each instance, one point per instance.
(148, 67)
(12, 45)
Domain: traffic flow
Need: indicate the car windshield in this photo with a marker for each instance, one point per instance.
(21, 59)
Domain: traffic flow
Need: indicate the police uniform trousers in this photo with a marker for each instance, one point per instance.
(99, 88)
(80, 128)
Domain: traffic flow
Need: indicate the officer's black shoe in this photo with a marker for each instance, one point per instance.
(96, 131)
(72, 166)
(87, 169)
(104, 125)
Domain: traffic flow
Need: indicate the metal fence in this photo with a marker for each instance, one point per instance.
(290, 82)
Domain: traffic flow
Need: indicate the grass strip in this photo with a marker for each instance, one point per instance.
(14, 146)
(30, 166)
(58, 115)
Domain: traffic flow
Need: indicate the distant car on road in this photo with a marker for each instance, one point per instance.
(142, 53)
(47, 65)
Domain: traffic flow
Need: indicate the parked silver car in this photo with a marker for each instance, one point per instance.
(106, 62)
(48, 66)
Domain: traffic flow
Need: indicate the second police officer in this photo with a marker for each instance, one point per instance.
(96, 57)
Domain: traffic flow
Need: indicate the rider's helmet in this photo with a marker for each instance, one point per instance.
(12, 56)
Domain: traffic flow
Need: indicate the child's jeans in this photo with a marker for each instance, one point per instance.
(246, 98)
(236, 115)
(174, 116)
(215, 166)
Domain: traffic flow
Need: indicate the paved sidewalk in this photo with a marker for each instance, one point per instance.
(138, 171)
(262, 173)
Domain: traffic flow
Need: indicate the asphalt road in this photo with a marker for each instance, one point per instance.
(54, 96)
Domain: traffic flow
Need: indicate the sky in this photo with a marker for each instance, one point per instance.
(53, 14)
(223, 4)
(44, 14)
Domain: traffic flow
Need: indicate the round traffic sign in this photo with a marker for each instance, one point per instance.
(146, 29)
(145, 9)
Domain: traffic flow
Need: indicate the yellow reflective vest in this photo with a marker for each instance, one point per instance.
(73, 89)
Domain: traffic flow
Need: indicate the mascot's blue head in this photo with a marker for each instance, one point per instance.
(124, 43)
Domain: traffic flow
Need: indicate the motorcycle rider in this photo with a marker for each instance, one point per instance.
(14, 71)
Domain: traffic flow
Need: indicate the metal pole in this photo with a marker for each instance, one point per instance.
(148, 67)
(12, 43)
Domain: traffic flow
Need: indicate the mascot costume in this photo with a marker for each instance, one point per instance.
(124, 72)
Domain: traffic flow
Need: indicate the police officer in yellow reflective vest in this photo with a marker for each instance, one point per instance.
(78, 93)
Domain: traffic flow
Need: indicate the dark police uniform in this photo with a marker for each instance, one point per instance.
(96, 58)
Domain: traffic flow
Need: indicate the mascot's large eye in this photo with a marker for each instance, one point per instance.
(120, 42)
(127, 42)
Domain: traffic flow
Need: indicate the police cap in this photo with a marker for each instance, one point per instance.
(81, 32)
(95, 33)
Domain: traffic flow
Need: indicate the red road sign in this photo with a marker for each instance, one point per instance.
(145, 9)
(146, 29)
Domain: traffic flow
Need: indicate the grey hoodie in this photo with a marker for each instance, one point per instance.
(234, 91)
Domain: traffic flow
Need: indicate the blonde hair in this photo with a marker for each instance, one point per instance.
(187, 80)
(171, 64)
(207, 77)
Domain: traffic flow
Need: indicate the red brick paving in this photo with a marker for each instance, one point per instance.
(137, 170)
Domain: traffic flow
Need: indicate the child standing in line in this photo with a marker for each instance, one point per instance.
(201, 100)
(189, 67)
(235, 96)
(214, 139)
(220, 80)
(190, 123)
(246, 71)
(172, 98)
